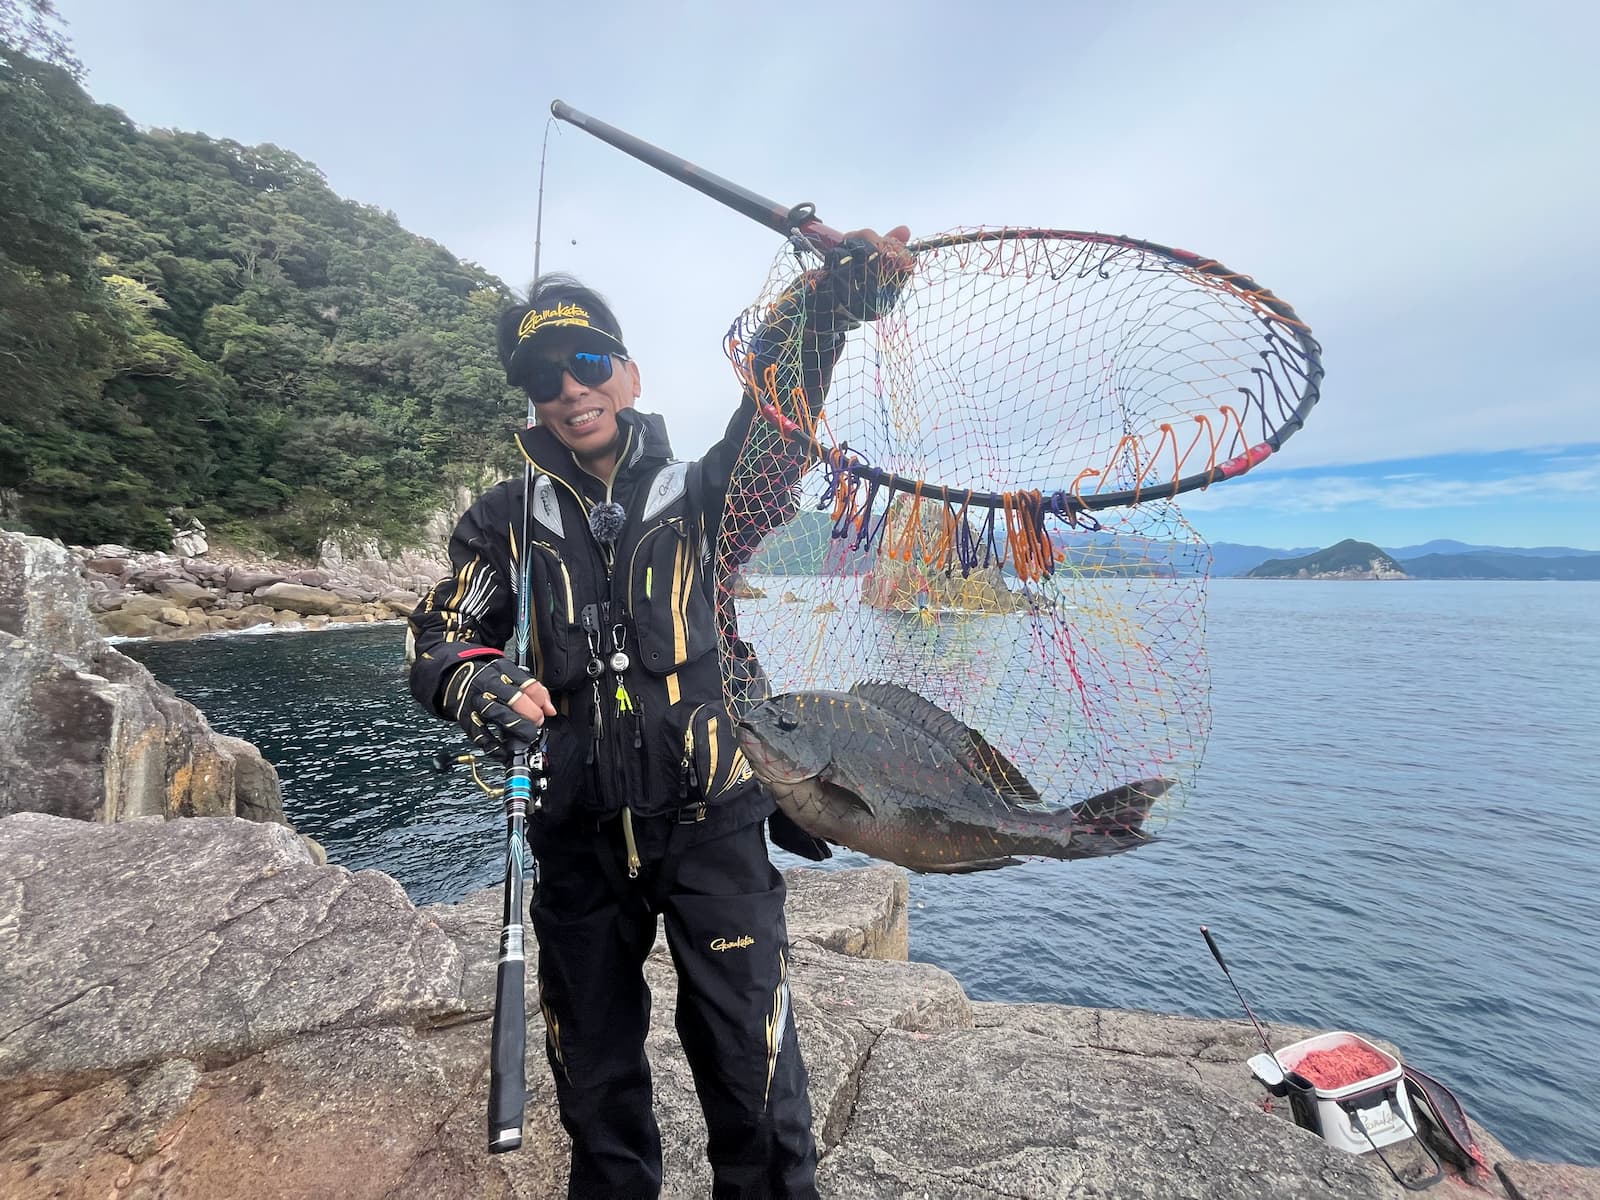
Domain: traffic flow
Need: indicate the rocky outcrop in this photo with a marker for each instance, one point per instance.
(147, 595)
(399, 570)
(208, 1013)
(86, 732)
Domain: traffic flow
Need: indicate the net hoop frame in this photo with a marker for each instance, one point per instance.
(1067, 502)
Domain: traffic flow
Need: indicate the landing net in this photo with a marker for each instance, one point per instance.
(983, 509)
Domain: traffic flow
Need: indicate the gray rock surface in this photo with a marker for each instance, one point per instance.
(185, 594)
(1552, 1181)
(243, 579)
(401, 603)
(300, 598)
(87, 732)
(1000, 1112)
(129, 945)
(208, 1013)
(861, 913)
(153, 595)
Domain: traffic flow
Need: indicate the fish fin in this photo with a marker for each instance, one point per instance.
(841, 787)
(964, 868)
(967, 745)
(1121, 809)
(1001, 774)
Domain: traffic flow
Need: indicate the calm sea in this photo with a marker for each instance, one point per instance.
(1394, 831)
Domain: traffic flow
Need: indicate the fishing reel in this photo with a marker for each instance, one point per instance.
(446, 761)
(531, 768)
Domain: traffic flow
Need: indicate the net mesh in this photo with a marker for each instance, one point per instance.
(936, 522)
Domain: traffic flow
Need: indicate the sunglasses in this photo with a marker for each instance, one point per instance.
(544, 381)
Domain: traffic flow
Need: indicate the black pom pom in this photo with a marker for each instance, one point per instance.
(606, 521)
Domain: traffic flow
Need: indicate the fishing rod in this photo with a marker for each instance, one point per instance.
(1302, 1091)
(526, 782)
(508, 1083)
(798, 223)
(1216, 953)
(524, 789)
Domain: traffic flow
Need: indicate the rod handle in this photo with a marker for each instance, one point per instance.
(508, 1084)
(1215, 952)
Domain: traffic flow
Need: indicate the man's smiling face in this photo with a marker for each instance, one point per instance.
(584, 417)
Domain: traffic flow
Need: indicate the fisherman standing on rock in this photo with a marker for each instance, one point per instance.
(652, 811)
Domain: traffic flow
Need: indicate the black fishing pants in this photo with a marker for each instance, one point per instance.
(722, 902)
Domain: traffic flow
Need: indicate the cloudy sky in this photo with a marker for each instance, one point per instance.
(1419, 179)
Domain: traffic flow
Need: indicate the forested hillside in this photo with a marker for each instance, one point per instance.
(196, 327)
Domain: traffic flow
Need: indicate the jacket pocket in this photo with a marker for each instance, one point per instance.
(667, 595)
(559, 650)
(703, 757)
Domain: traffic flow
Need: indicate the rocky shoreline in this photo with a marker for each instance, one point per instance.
(203, 1008)
(211, 1013)
(138, 594)
(85, 731)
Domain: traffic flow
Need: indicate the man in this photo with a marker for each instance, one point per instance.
(652, 810)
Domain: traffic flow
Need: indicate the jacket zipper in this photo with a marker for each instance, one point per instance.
(607, 556)
(688, 776)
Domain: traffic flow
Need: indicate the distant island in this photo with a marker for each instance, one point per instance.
(805, 546)
(1351, 559)
(1348, 559)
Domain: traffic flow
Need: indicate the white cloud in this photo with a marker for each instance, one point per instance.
(1569, 477)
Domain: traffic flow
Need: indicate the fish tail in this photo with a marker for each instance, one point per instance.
(1113, 821)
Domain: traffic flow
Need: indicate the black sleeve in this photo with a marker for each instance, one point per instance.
(790, 365)
(471, 612)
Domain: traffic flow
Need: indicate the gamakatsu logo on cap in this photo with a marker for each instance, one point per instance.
(561, 314)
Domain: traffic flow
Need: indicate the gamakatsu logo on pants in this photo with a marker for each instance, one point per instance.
(738, 943)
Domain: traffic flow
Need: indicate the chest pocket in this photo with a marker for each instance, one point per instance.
(559, 650)
(667, 588)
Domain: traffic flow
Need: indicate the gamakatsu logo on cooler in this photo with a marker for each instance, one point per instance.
(738, 943)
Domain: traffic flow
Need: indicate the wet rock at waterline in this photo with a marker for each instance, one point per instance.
(85, 731)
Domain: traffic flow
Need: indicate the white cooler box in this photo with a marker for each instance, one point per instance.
(1379, 1100)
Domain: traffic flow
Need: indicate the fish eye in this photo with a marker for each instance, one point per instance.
(786, 722)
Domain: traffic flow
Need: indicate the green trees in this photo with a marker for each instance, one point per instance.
(57, 334)
(194, 325)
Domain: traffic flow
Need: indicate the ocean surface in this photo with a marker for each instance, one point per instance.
(1396, 830)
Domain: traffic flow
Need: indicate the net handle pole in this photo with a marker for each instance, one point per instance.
(798, 223)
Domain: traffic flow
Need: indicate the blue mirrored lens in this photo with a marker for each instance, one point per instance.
(590, 369)
(544, 378)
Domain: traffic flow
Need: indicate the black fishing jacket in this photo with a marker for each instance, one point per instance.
(626, 636)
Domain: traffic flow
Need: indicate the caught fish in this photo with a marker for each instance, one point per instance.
(887, 772)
